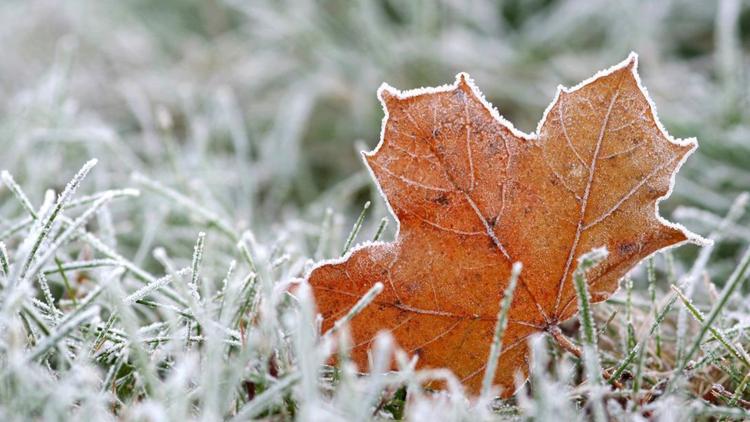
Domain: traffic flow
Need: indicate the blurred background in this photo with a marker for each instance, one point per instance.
(257, 109)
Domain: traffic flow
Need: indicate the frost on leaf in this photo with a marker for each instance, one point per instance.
(473, 195)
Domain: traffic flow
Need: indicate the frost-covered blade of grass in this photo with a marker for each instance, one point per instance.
(502, 322)
(588, 331)
(738, 276)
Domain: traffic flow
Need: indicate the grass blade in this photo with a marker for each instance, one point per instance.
(61, 331)
(196, 266)
(63, 199)
(361, 304)
(502, 322)
(717, 334)
(355, 230)
(588, 330)
(628, 359)
(737, 277)
(4, 266)
(381, 228)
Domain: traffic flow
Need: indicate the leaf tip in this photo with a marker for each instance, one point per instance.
(697, 239)
(387, 94)
(632, 61)
(689, 144)
(464, 81)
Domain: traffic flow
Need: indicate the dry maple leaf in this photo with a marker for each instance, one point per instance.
(473, 195)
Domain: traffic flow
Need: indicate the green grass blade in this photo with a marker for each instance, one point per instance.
(502, 322)
(355, 230)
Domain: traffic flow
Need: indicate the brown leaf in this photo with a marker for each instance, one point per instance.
(474, 195)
